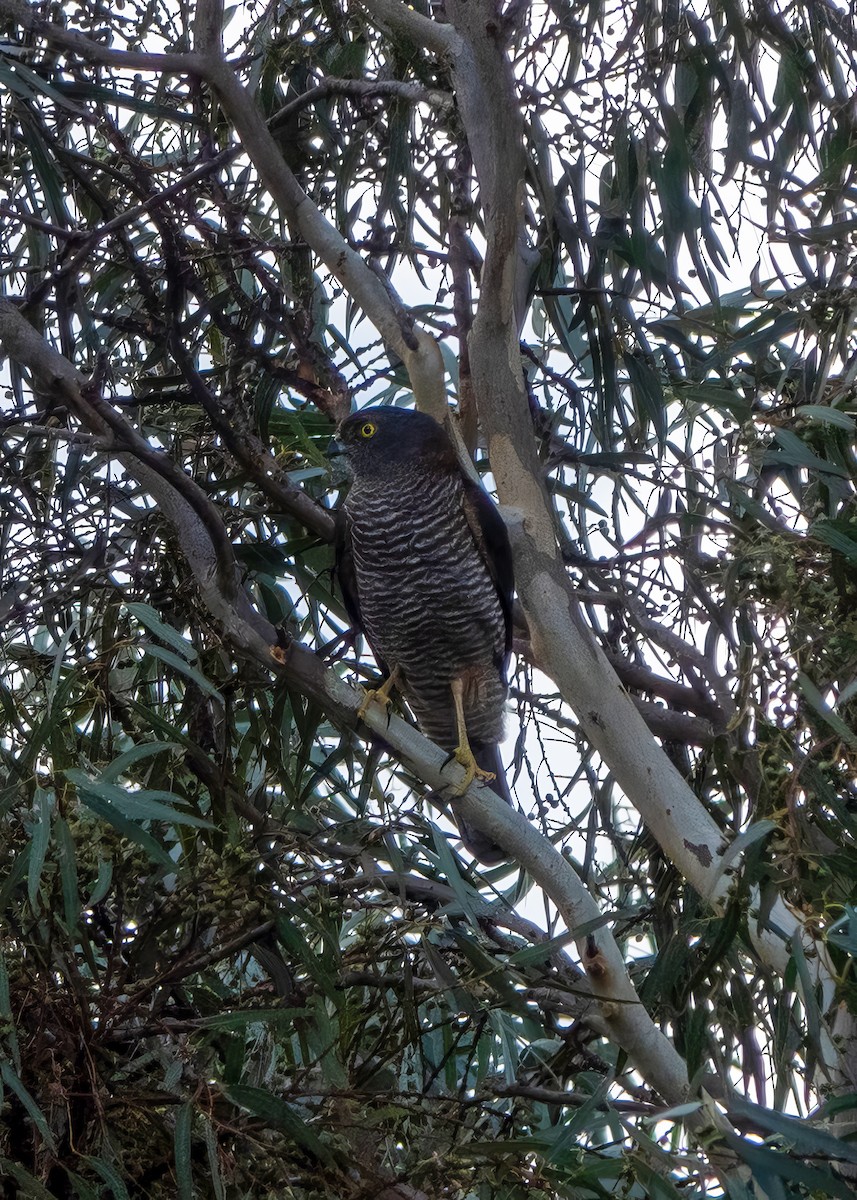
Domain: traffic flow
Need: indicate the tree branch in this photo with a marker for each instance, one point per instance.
(248, 449)
(621, 1014)
(132, 60)
(490, 110)
(374, 294)
(329, 85)
(195, 519)
(398, 18)
(370, 291)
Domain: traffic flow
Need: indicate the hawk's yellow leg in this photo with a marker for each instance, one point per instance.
(379, 695)
(462, 752)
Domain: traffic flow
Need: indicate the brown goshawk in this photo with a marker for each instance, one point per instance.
(425, 568)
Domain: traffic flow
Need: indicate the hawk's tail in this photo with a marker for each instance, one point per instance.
(479, 844)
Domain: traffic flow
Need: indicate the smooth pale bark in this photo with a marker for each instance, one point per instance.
(488, 103)
(622, 1016)
(485, 91)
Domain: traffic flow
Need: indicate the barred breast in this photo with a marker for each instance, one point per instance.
(428, 603)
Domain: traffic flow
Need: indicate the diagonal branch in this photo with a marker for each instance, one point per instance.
(329, 85)
(490, 110)
(28, 19)
(399, 18)
(620, 1014)
(248, 449)
(374, 294)
(201, 533)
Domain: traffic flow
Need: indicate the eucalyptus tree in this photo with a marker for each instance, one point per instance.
(244, 953)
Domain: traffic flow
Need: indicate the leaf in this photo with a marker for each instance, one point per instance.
(505, 1029)
(737, 1189)
(772, 1165)
(834, 1105)
(291, 936)
(59, 662)
(68, 873)
(35, 1114)
(826, 531)
(577, 1123)
(540, 952)
(576, 496)
(182, 1145)
(213, 1158)
(41, 733)
(696, 1038)
(240, 1019)
(674, 177)
(27, 1183)
(828, 416)
(39, 845)
(149, 617)
(798, 1133)
(754, 832)
(812, 1014)
(128, 829)
(641, 250)
(282, 1116)
(120, 765)
(18, 871)
(795, 453)
(108, 1174)
(648, 394)
(816, 701)
(183, 668)
(11, 1033)
(676, 1112)
(120, 99)
(657, 1185)
(738, 128)
(46, 171)
(846, 941)
(709, 395)
(469, 901)
(745, 504)
(82, 1189)
(760, 335)
(102, 884)
(19, 78)
(137, 805)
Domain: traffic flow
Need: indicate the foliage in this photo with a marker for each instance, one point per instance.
(242, 955)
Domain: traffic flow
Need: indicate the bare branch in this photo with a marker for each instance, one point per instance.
(373, 293)
(683, 828)
(133, 60)
(621, 1013)
(329, 85)
(402, 20)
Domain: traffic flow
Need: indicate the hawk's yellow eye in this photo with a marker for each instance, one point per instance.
(368, 430)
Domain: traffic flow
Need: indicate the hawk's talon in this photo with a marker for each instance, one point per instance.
(462, 752)
(380, 695)
(464, 755)
(370, 696)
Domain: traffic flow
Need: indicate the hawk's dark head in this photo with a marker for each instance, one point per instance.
(378, 441)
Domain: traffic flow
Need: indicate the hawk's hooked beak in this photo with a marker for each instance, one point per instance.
(334, 448)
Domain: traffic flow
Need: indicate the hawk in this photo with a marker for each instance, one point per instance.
(425, 568)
